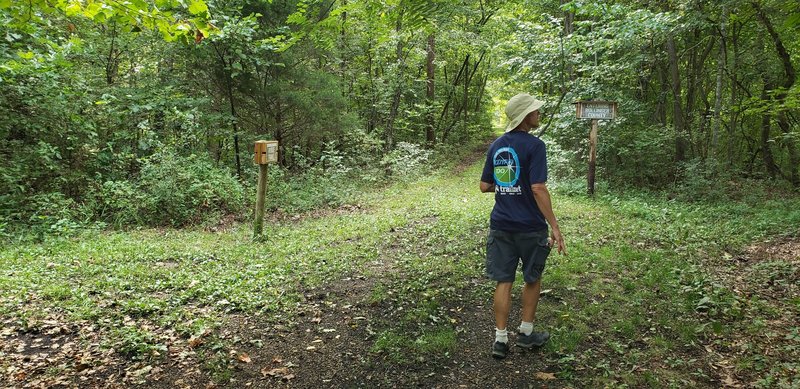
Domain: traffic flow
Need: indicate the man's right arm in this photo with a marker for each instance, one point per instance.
(542, 197)
(487, 187)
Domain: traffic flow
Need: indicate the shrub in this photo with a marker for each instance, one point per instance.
(300, 192)
(407, 159)
(52, 214)
(702, 179)
(639, 157)
(178, 190)
(117, 202)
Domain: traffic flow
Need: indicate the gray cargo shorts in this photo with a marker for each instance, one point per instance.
(505, 249)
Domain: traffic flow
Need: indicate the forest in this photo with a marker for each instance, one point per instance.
(107, 106)
(127, 189)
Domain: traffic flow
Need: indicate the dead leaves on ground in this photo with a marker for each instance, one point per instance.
(281, 372)
(243, 357)
(544, 376)
(47, 350)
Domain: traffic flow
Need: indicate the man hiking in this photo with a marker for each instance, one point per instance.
(516, 171)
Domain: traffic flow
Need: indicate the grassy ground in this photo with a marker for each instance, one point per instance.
(390, 293)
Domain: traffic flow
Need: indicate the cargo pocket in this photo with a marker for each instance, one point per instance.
(540, 254)
(491, 254)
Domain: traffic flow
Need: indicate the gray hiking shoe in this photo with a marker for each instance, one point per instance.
(534, 339)
(499, 350)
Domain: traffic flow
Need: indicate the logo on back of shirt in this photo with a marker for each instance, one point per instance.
(506, 171)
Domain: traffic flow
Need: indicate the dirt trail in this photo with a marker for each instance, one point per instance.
(765, 279)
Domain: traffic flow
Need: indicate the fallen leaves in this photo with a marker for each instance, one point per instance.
(729, 382)
(544, 376)
(243, 357)
(197, 340)
(278, 372)
(281, 372)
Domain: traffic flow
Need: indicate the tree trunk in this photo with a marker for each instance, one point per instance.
(790, 77)
(734, 119)
(398, 91)
(661, 101)
(372, 115)
(430, 134)
(235, 137)
(677, 110)
(721, 61)
(766, 127)
(346, 80)
(278, 134)
(693, 90)
(464, 107)
(481, 91)
(791, 148)
(235, 126)
(450, 94)
(569, 28)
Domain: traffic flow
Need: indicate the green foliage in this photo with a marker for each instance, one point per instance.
(179, 190)
(294, 193)
(136, 343)
(92, 93)
(636, 274)
(169, 17)
(407, 159)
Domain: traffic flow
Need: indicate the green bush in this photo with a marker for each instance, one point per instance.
(116, 202)
(52, 214)
(178, 190)
(407, 159)
(702, 179)
(641, 157)
(293, 192)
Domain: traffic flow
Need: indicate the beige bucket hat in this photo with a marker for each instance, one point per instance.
(520, 106)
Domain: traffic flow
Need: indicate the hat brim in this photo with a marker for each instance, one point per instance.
(536, 104)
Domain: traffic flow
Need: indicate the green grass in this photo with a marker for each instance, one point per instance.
(634, 278)
(404, 348)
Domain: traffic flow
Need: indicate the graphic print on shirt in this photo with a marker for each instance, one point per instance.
(506, 171)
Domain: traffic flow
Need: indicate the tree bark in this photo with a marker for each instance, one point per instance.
(677, 110)
(790, 77)
(464, 107)
(734, 114)
(372, 115)
(450, 93)
(694, 89)
(661, 101)
(398, 91)
(766, 127)
(235, 131)
(112, 61)
(430, 133)
(721, 62)
(569, 28)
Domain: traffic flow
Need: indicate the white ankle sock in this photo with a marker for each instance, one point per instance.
(500, 335)
(526, 328)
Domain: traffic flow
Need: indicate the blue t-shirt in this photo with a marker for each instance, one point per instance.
(514, 162)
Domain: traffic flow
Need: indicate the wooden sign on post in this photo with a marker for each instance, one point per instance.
(595, 110)
(266, 152)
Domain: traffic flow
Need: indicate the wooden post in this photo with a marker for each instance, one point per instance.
(596, 110)
(266, 152)
(592, 155)
(258, 226)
